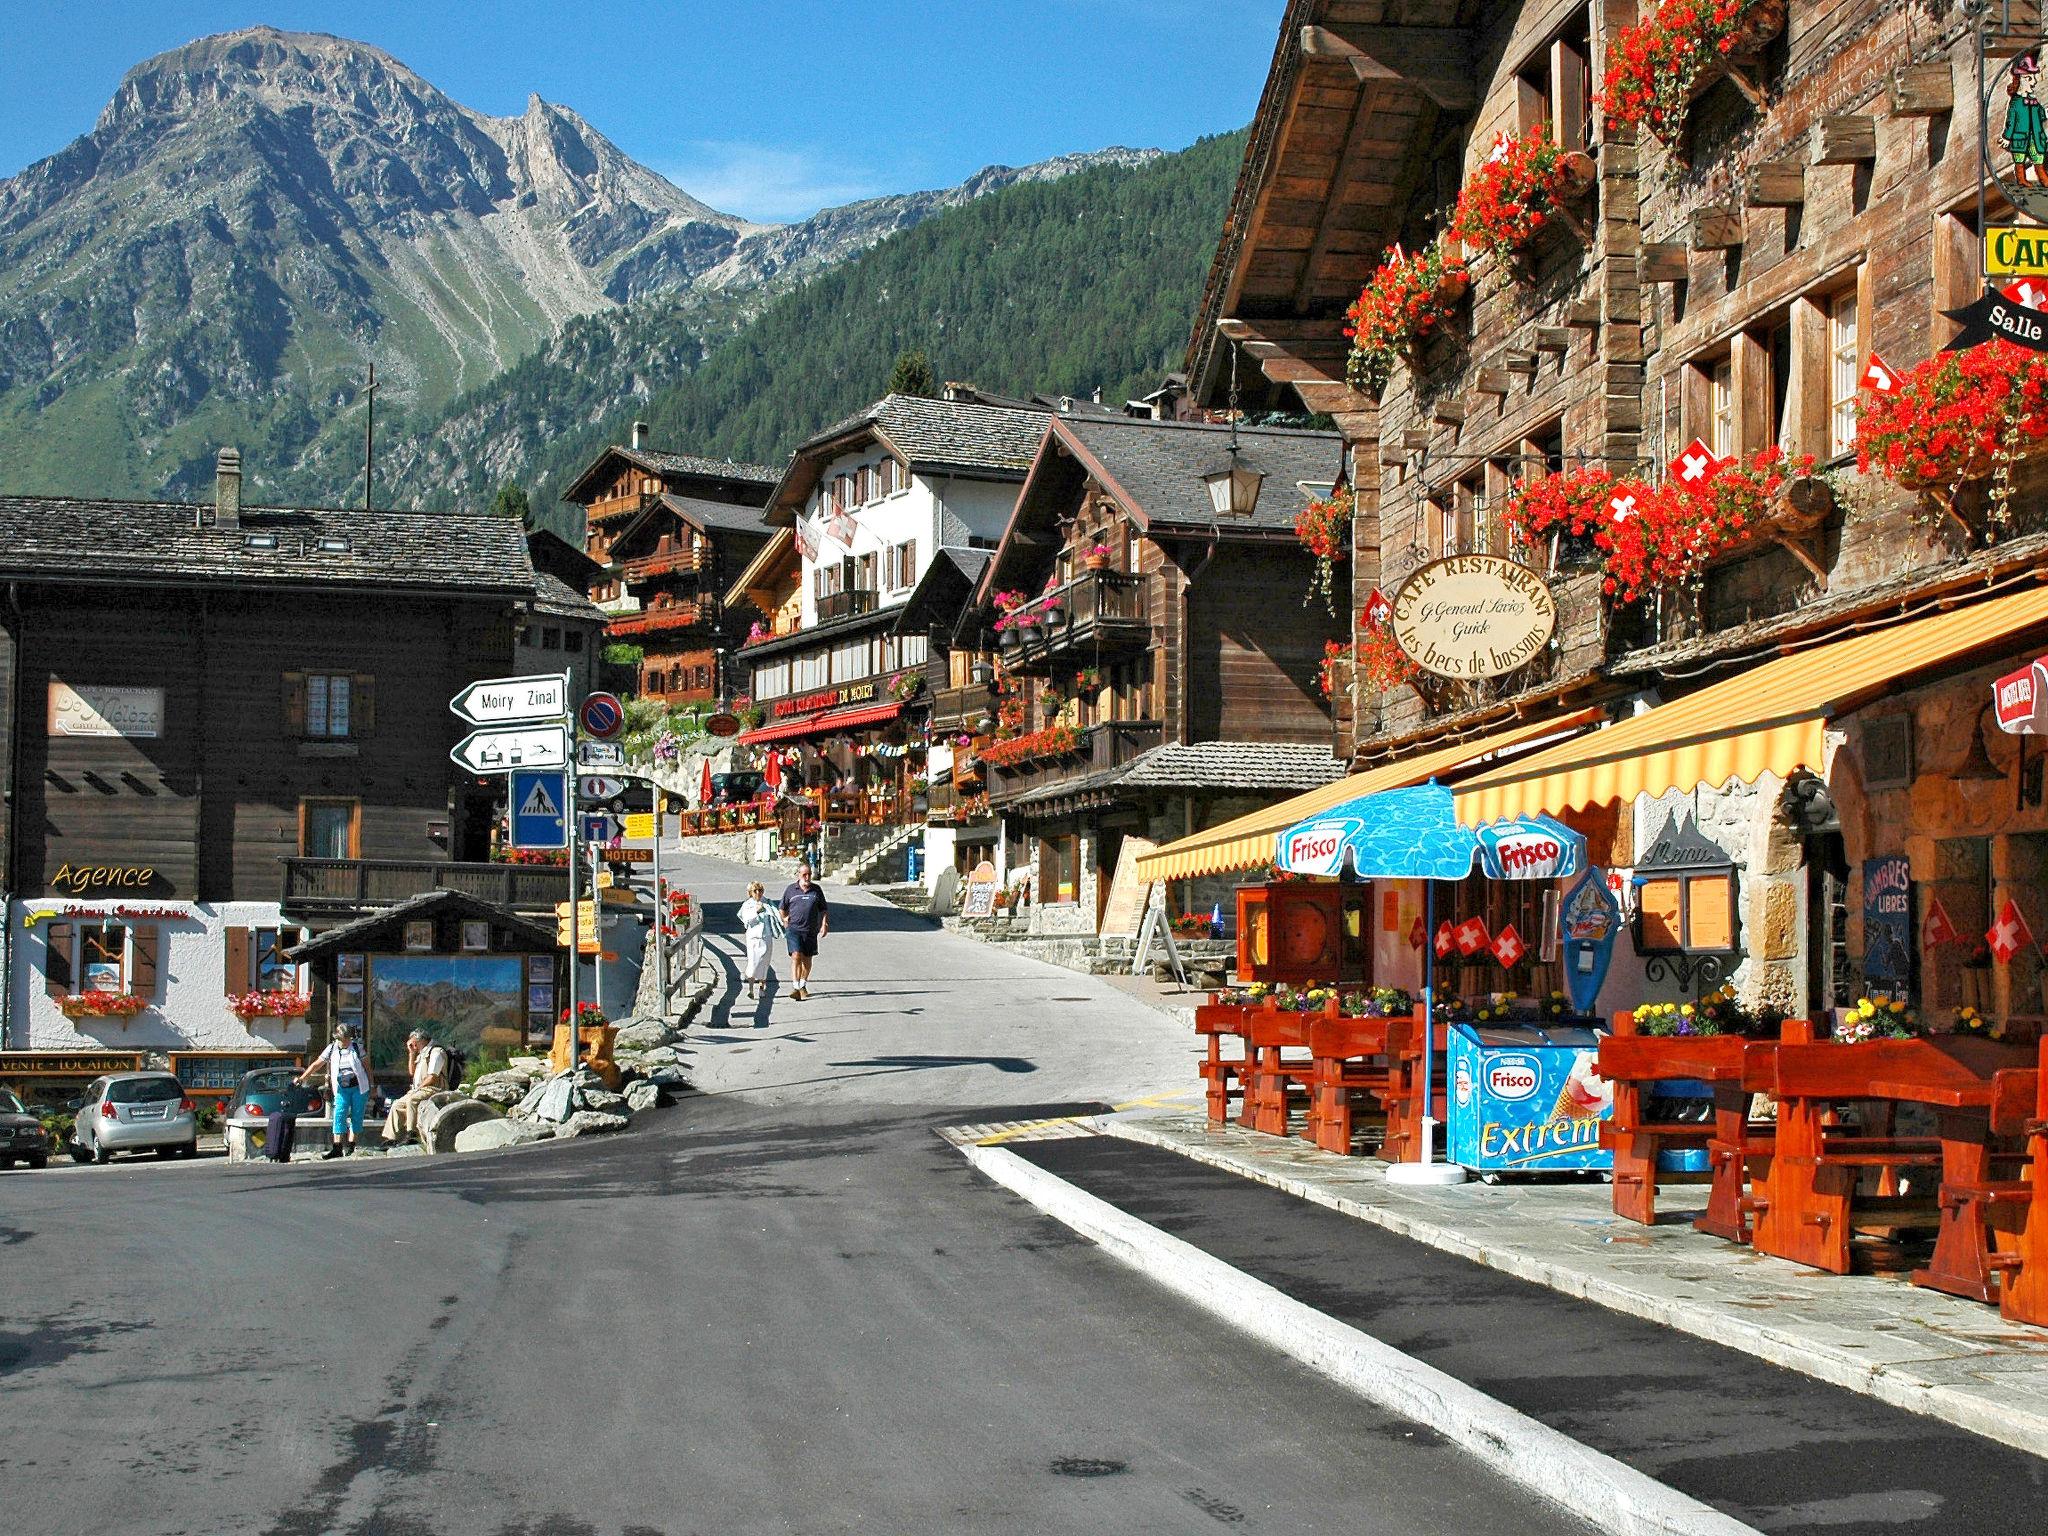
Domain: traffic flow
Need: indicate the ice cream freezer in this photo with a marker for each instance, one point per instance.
(1526, 1098)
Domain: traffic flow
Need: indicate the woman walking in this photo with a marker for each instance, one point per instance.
(758, 921)
(348, 1087)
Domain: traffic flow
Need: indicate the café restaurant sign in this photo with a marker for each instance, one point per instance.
(2021, 700)
(1473, 616)
(828, 698)
(97, 709)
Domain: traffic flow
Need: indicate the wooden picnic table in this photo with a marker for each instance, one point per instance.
(2018, 1214)
(1811, 1202)
(1354, 1064)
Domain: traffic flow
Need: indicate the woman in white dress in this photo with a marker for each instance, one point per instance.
(758, 921)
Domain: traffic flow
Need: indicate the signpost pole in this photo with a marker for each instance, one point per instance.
(660, 910)
(569, 813)
(597, 920)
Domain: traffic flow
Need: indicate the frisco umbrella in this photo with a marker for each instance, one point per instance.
(1413, 834)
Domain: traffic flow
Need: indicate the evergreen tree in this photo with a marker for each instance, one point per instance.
(913, 375)
(512, 502)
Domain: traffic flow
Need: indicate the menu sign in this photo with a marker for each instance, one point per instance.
(98, 709)
(1474, 616)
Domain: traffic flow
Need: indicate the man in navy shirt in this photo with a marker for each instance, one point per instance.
(807, 917)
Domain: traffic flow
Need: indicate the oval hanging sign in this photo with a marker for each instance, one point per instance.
(1472, 616)
(722, 725)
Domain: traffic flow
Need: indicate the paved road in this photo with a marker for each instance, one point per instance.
(786, 1307)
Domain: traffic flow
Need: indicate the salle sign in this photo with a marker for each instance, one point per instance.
(1472, 616)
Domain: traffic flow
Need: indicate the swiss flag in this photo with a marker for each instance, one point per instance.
(2027, 291)
(1418, 935)
(1446, 941)
(2009, 934)
(1472, 936)
(1377, 609)
(1879, 376)
(1508, 947)
(1621, 506)
(1695, 464)
(1939, 928)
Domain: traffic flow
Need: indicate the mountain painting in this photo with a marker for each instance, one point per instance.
(465, 1001)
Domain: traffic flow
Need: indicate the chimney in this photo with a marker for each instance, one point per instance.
(227, 489)
(639, 434)
(957, 393)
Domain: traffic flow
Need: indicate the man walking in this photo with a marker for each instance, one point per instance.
(807, 917)
(429, 1076)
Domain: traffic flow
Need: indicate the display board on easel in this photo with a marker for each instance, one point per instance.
(980, 900)
(1156, 930)
(1129, 895)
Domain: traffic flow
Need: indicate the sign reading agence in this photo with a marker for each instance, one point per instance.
(1472, 616)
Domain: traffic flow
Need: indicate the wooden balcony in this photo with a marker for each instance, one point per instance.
(666, 619)
(673, 562)
(1097, 613)
(1103, 747)
(314, 886)
(846, 605)
(956, 710)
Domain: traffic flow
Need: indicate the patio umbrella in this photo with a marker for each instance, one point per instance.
(1414, 834)
(771, 771)
(704, 784)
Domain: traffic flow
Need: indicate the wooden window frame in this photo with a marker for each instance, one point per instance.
(355, 822)
(1555, 81)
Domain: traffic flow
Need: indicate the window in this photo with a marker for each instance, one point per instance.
(1469, 504)
(1843, 372)
(266, 969)
(572, 640)
(864, 567)
(328, 828)
(102, 957)
(885, 477)
(327, 704)
(550, 639)
(1720, 433)
(903, 564)
(1555, 83)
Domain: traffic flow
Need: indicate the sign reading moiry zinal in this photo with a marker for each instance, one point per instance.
(1472, 616)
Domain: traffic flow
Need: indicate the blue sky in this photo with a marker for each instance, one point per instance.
(766, 108)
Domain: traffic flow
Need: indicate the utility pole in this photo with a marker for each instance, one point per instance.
(575, 917)
(370, 436)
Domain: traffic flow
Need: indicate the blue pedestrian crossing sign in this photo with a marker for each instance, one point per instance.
(540, 800)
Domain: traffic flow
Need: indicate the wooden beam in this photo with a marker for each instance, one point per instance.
(1717, 228)
(1493, 381)
(1438, 61)
(1516, 360)
(1776, 184)
(1844, 141)
(1584, 314)
(1665, 261)
(1923, 90)
(1415, 439)
(1449, 411)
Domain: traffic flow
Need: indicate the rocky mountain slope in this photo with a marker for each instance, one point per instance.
(257, 216)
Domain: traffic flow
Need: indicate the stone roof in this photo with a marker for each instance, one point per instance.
(947, 434)
(591, 478)
(152, 543)
(1248, 765)
(555, 597)
(717, 516)
(945, 593)
(391, 921)
(1158, 467)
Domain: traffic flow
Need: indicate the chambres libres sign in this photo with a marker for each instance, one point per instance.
(1473, 616)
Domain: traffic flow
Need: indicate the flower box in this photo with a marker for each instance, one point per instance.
(1669, 56)
(251, 1006)
(102, 1005)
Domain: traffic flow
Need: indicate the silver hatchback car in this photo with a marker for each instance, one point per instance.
(134, 1112)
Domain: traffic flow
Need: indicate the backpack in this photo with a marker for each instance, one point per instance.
(458, 1064)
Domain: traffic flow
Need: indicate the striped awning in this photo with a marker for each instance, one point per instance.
(821, 724)
(1246, 842)
(1769, 719)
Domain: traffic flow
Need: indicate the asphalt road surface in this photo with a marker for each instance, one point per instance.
(784, 1306)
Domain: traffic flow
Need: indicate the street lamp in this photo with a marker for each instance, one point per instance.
(1234, 489)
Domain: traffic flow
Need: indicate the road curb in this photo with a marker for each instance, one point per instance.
(1894, 1384)
(1616, 1497)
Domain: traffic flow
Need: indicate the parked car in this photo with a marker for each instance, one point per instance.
(134, 1112)
(262, 1092)
(735, 788)
(21, 1134)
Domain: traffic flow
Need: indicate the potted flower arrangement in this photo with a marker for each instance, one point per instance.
(1523, 184)
(1324, 528)
(1968, 1021)
(1408, 298)
(250, 1006)
(905, 686)
(1053, 741)
(1878, 1017)
(757, 631)
(1656, 65)
(1955, 418)
(544, 857)
(101, 1005)
(1088, 680)
(1191, 925)
(1096, 557)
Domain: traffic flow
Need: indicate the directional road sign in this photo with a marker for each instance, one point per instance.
(593, 786)
(512, 700)
(502, 748)
(540, 797)
(598, 828)
(600, 754)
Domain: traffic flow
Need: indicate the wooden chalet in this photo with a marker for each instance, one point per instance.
(672, 531)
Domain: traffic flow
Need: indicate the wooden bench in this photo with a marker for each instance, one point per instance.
(1629, 1061)
(1403, 1097)
(2018, 1217)
(1224, 1077)
(1351, 1073)
(1281, 1070)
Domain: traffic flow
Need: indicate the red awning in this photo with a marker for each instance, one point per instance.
(818, 725)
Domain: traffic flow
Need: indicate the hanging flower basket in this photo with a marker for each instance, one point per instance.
(1324, 528)
(1053, 741)
(1523, 185)
(1956, 418)
(1656, 66)
(250, 1006)
(101, 1005)
(1408, 300)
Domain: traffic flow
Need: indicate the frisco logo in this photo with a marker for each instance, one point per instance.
(1528, 855)
(1512, 1077)
(1318, 848)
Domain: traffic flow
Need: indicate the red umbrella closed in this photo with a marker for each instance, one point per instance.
(704, 786)
(771, 773)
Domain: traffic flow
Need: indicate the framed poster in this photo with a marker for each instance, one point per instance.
(419, 937)
(348, 967)
(476, 936)
(540, 967)
(1888, 921)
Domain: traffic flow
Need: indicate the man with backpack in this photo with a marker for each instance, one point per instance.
(434, 1070)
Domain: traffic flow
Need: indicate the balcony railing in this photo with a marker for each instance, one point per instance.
(670, 616)
(356, 885)
(1095, 612)
(674, 562)
(958, 709)
(846, 605)
(1109, 745)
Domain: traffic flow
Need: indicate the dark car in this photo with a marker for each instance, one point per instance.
(735, 788)
(264, 1091)
(21, 1135)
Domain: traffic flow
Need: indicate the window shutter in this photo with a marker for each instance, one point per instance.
(57, 944)
(237, 976)
(364, 704)
(142, 962)
(295, 703)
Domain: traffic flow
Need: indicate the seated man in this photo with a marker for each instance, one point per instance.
(429, 1077)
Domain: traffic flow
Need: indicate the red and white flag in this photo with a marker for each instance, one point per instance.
(1695, 464)
(1472, 936)
(1418, 935)
(1377, 610)
(1879, 376)
(1939, 928)
(1446, 940)
(2009, 934)
(2028, 291)
(1508, 947)
(1621, 506)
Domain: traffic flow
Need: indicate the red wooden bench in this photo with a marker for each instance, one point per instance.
(1224, 1077)
(2019, 1216)
(1351, 1072)
(1403, 1097)
(1281, 1069)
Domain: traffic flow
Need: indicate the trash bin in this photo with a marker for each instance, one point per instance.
(1527, 1098)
